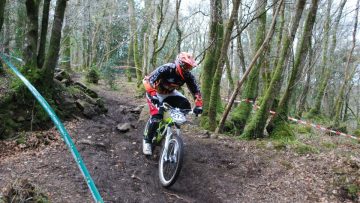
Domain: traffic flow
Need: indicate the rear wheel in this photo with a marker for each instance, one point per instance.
(170, 162)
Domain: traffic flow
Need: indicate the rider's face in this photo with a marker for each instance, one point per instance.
(187, 67)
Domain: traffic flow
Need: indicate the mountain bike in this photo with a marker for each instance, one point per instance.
(168, 136)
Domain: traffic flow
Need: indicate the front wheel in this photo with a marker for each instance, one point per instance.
(170, 162)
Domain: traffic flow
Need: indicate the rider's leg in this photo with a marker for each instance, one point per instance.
(151, 127)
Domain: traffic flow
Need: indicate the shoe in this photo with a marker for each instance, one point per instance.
(147, 148)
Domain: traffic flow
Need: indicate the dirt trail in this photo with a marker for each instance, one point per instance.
(215, 170)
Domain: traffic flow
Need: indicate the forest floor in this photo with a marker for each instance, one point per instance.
(315, 168)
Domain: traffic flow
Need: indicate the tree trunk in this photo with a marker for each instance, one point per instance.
(340, 98)
(43, 33)
(257, 123)
(211, 56)
(159, 20)
(241, 114)
(251, 65)
(32, 9)
(325, 72)
(177, 27)
(20, 25)
(66, 46)
(54, 46)
(2, 8)
(305, 91)
(215, 89)
(303, 45)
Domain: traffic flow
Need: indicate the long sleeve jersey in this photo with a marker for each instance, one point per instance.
(167, 78)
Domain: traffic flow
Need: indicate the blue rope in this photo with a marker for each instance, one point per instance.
(65, 135)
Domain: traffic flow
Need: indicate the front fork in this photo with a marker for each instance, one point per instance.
(169, 135)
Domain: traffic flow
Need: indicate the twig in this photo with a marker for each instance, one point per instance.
(177, 196)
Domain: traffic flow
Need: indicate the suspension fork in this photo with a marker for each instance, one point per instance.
(169, 135)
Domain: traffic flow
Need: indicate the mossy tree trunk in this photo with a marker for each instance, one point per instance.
(30, 52)
(2, 8)
(325, 71)
(305, 91)
(251, 65)
(43, 33)
(144, 37)
(54, 46)
(256, 125)
(20, 25)
(177, 27)
(303, 45)
(241, 114)
(211, 55)
(347, 75)
(66, 46)
(280, 35)
(215, 88)
(159, 19)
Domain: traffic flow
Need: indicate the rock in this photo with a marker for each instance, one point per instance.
(20, 119)
(214, 136)
(137, 110)
(144, 115)
(123, 127)
(85, 141)
(87, 90)
(206, 134)
(86, 108)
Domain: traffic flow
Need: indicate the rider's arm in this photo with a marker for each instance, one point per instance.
(152, 81)
(194, 88)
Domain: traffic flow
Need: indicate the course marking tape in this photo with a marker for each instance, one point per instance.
(319, 127)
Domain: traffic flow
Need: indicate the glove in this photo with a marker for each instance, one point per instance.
(197, 110)
(155, 100)
(198, 100)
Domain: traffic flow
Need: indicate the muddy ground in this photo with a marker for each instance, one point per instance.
(222, 169)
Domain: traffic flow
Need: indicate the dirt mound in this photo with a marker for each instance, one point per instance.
(21, 190)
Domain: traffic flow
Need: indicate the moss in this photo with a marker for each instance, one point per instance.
(93, 75)
(357, 132)
(21, 190)
(353, 190)
(301, 129)
(329, 145)
(286, 164)
(282, 130)
(21, 139)
(240, 115)
(303, 149)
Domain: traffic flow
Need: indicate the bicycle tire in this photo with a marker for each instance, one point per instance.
(167, 180)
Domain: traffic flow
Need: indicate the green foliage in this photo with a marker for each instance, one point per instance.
(329, 145)
(357, 132)
(109, 74)
(303, 149)
(282, 131)
(301, 129)
(93, 75)
(21, 139)
(353, 190)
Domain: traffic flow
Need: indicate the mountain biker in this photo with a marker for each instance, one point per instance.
(162, 84)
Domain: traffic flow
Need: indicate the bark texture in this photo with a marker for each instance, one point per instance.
(303, 45)
(255, 127)
(54, 46)
(215, 89)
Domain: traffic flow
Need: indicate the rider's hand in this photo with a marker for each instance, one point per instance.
(197, 110)
(155, 100)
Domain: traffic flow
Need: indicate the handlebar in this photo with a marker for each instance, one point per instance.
(166, 106)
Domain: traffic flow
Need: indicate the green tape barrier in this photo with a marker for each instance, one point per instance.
(65, 135)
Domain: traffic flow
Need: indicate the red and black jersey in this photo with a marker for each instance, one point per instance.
(169, 77)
